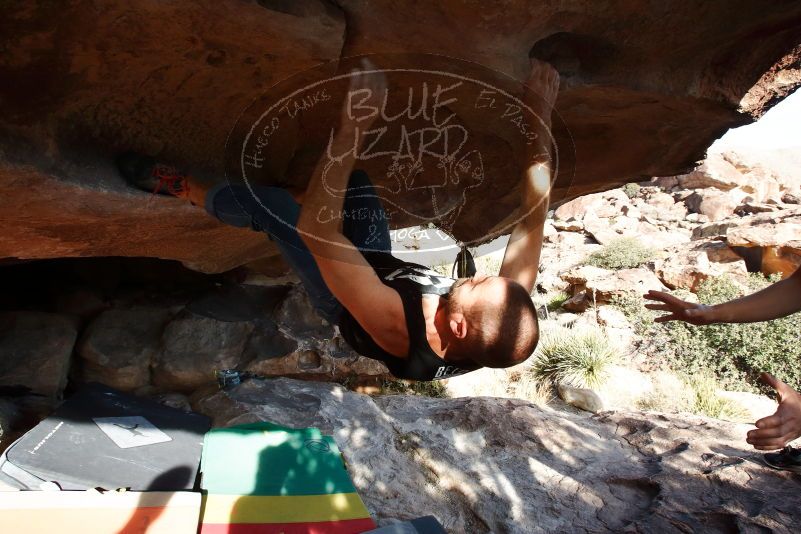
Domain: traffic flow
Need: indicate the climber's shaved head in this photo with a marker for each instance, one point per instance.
(493, 320)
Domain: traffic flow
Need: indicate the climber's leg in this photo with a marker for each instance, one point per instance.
(365, 222)
(274, 211)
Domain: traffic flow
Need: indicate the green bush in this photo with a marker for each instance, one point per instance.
(580, 357)
(734, 353)
(623, 253)
(631, 190)
(556, 300)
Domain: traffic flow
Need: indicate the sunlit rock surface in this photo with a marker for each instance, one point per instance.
(500, 465)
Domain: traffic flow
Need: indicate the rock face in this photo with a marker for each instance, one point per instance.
(36, 350)
(592, 285)
(59, 218)
(195, 346)
(118, 347)
(644, 91)
(165, 335)
(499, 465)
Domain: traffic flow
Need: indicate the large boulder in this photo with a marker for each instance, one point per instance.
(118, 347)
(605, 204)
(643, 93)
(713, 172)
(591, 286)
(685, 267)
(779, 244)
(780, 234)
(194, 347)
(715, 204)
(781, 166)
(36, 350)
(500, 465)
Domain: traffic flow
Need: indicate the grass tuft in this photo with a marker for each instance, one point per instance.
(579, 357)
(707, 401)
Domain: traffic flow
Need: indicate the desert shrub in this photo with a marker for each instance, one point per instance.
(577, 356)
(556, 300)
(631, 190)
(734, 353)
(623, 253)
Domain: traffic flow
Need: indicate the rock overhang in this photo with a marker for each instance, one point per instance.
(645, 90)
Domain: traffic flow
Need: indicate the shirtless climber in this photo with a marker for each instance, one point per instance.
(422, 325)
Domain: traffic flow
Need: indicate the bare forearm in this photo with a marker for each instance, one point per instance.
(521, 260)
(522, 257)
(777, 300)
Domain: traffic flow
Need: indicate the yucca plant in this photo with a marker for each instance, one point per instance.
(579, 356)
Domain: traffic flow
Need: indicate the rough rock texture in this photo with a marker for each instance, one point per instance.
(713, 172)
(297, 313)
(592, 285)
(314, 365)
(118, 347)
(151, 327)
(778, 243)
(499, 465)
(35, 350)
(686, 266)
(645, 89)
(194, 347)
(716, 205)
(52, 217)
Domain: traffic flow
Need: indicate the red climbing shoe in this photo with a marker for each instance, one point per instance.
(143, 172)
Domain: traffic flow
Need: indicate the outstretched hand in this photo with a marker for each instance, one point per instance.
(680, 310)
(777, 430)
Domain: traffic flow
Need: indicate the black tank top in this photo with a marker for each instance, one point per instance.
(411, 281)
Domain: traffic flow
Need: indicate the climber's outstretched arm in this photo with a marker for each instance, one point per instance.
(522, 257)
(376, 307)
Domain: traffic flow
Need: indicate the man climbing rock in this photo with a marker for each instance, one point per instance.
(422, 325)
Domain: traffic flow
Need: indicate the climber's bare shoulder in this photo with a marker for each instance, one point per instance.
(375, 306)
